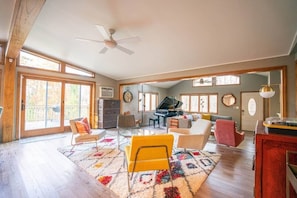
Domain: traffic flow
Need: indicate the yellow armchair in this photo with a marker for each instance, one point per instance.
(151, 152)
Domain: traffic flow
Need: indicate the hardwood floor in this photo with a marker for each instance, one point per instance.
(233, 176)
(34, 168)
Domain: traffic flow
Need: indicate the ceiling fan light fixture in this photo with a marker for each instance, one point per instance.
(110, 43)
(266, 91)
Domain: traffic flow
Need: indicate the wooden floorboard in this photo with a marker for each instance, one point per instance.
(233, 176)
(37, 169)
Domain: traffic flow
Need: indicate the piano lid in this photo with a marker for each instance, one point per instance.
(169, 102)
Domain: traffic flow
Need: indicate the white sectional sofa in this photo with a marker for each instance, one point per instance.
(194, 137)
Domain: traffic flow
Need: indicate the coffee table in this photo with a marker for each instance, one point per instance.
(128, 133)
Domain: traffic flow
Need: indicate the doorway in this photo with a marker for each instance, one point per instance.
(252, 109)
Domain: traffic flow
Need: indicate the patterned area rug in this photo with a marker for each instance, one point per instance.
(189, 170)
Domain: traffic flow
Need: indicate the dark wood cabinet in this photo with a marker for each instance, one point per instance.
(108, 110)
(270, 165)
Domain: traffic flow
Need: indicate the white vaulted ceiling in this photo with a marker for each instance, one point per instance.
(174, 35)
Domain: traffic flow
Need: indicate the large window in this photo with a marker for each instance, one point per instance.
(219, 80)
(199, 82)
(227, 80)
(31, 60)
(74, 70)
(28, 59)
(200, 103)
(147, 101)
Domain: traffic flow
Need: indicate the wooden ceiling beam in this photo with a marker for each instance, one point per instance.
(24, 15)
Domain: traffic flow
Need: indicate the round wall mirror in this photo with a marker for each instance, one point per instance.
(228, 100)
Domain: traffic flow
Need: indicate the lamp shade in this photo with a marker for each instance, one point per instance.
(266, 91)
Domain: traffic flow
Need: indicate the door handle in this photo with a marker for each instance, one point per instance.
(22, 105)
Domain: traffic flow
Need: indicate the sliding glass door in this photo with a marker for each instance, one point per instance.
(47, 105)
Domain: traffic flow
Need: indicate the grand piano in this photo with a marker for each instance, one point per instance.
(168, 108)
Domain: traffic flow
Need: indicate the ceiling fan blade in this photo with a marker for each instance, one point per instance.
(103, 50)
(130, 39)
(103, 32)
(88, 40)
(125, 50)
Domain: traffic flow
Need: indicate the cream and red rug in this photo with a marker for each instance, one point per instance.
(107, 166)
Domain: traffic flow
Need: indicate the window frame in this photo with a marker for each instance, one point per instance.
(142, 101)
(190, 102)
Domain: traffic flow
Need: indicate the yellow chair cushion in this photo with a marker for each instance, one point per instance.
(151, 158)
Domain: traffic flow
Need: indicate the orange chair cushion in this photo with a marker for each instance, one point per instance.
(83, 126)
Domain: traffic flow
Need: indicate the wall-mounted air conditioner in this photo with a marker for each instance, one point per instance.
(106, 92)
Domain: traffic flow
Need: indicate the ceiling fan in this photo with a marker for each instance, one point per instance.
(110, 42)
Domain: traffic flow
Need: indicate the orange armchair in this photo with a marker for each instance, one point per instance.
(226, 133)
(84, 136)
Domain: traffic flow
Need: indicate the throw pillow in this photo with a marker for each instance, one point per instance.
(190, 117)
(83, 126)
(196, 116)
(206, 116)
(85, 120)
(173, 123)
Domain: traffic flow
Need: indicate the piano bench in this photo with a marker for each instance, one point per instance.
(154, 120)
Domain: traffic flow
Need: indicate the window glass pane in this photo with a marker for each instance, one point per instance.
(42, 107)
(72, 70)
(147, 99)
(154, 102)
(204, 104)
(227, 80)
(252, 106)
(206, 81)
(77, 101)
(213, 103)
(194, 104)
(140, 102)
(30, 60)
(186, 102)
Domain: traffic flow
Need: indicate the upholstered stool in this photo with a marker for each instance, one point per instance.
(154, 120)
